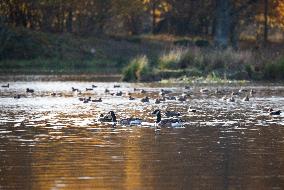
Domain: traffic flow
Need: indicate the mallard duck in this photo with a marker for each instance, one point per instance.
(169, 122)
(145, 99)
(272, 112)
(6, 86)
(110, 117)
(97, 100)
(28, 90)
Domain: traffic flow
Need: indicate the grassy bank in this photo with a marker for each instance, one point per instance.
(138, 58)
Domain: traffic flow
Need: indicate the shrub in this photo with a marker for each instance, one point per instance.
(274, 70)
(171, 59)
(137, 70)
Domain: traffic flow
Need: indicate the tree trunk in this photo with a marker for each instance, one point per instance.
(223, 21)
(265, 24)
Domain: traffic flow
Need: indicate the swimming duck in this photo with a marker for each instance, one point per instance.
(119, 93)
(246, 99)
(204, 90)
(252, 92)
(53, 94)
(89, 89)
(231, 99)
(28, 90)
(110, 117)
(172, 114)
(272, 112)
(131, 98)
(6, 86)
(116, 86)
(131, 121)
(169, 122)
(171, 98)
(190, 110)
(106, 90)
(182, 98)
(86, 100)
(94, 86)
(143, 91)
(145, 99)
(75, 89)
(18, 96)
(157, 101)
(97, 100)
(164, 92)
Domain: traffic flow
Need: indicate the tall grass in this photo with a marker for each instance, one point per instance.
(137, 69)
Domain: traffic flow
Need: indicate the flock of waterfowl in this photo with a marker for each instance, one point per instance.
(171, 118)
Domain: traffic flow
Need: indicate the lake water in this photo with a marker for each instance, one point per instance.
(55, 142)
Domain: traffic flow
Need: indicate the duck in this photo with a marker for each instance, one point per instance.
(246, 98)
(116, 86)
(86, 100)
(131, 121)
(145, 99)
(94, 86)
(231, 99)
(28, 90)
(97, 100)
(169, 122)
(252, 92)
(182, 98)
(272, 112)
(171, 98)
(190, 110)
(172, 114)
(75, 89)
(242, 90)
(119, 93)
(164, 92)
(6, 85)
(18, 96)
(204, 90)
(143, 91)
(131, 98)
(187, 87)
(53, 94)
(89, 89)
(110, 117)
(157, 101)
(106, 90)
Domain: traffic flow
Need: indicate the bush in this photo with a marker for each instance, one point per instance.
(137, 70)
(274, 70)
(171, 59)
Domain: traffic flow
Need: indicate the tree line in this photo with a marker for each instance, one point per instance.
(220, 20)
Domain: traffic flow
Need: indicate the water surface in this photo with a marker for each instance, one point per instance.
(55, 142)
